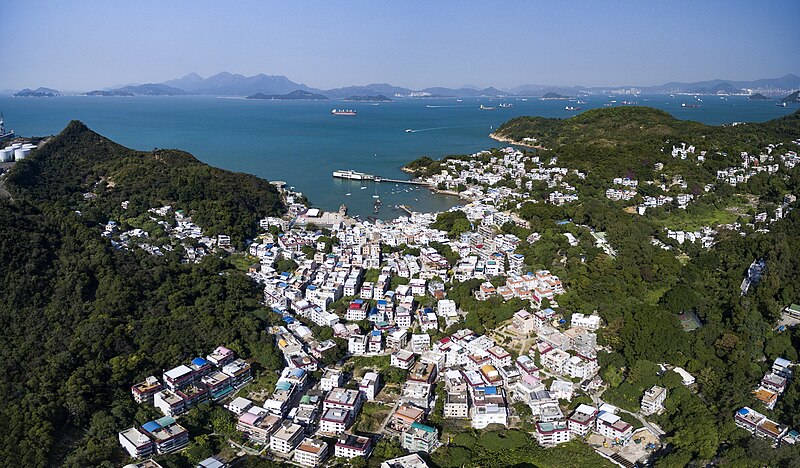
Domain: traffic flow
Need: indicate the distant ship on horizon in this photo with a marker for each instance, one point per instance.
(343, 112)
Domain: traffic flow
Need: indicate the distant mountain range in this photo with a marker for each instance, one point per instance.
(229, 84)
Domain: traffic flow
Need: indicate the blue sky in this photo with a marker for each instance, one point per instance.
(81, 45)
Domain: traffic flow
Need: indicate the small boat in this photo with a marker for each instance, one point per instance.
(458, 100)
(580, 102)
(363, 188)
(683, 104)
(781, 104)
(408, 130)
(347, 194)
(506, 105)
(572, 108)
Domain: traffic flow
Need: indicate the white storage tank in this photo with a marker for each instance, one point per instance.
(6, 156)
(16, 145)
(21, 153)
(29, 146)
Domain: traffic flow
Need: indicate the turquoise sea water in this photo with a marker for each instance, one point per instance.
(302, 143)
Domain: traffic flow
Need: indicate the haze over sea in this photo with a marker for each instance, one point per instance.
(300, 142)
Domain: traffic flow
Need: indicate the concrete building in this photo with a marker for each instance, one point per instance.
(653, 400)
(351, 446)
(587, 322)
(550, 434)
(145, 391)
(369, 385)
(136, 442)
(258, 427)
(402, 359)
(408, 461)
(335, 421)
(167, 434)
(286, 438)
(419, 438)
(524, 322)
(311, 452)
(582, 420)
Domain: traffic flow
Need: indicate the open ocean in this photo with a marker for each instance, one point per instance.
(301, 143)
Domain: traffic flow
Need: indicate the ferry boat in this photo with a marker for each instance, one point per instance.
(351, 174)
(486, 107)
(572, 108)
(343, 112)
(3, 133)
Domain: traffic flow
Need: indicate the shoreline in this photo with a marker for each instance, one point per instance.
(496, 137)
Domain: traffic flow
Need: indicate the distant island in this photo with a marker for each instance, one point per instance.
(378, 98)
(794, 97)
(552, 97)
(114, 92)
(298, 95)
(151, 89)
(758, 97)
(38, 92)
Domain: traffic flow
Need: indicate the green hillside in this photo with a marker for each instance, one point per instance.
(80, 161)
(82, 321)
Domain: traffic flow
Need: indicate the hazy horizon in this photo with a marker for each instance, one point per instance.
(84, 45)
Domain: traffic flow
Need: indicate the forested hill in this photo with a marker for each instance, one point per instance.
(83, 321)
(622, 126)
(627, 141)
(79, 161)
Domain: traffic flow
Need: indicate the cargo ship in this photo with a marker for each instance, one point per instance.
(572, 108)
(343, 112)
(3, 133)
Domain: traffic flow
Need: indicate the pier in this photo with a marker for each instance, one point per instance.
(353, 175)
(406, 209)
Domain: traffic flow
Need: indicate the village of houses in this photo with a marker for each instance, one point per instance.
(307, 420)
